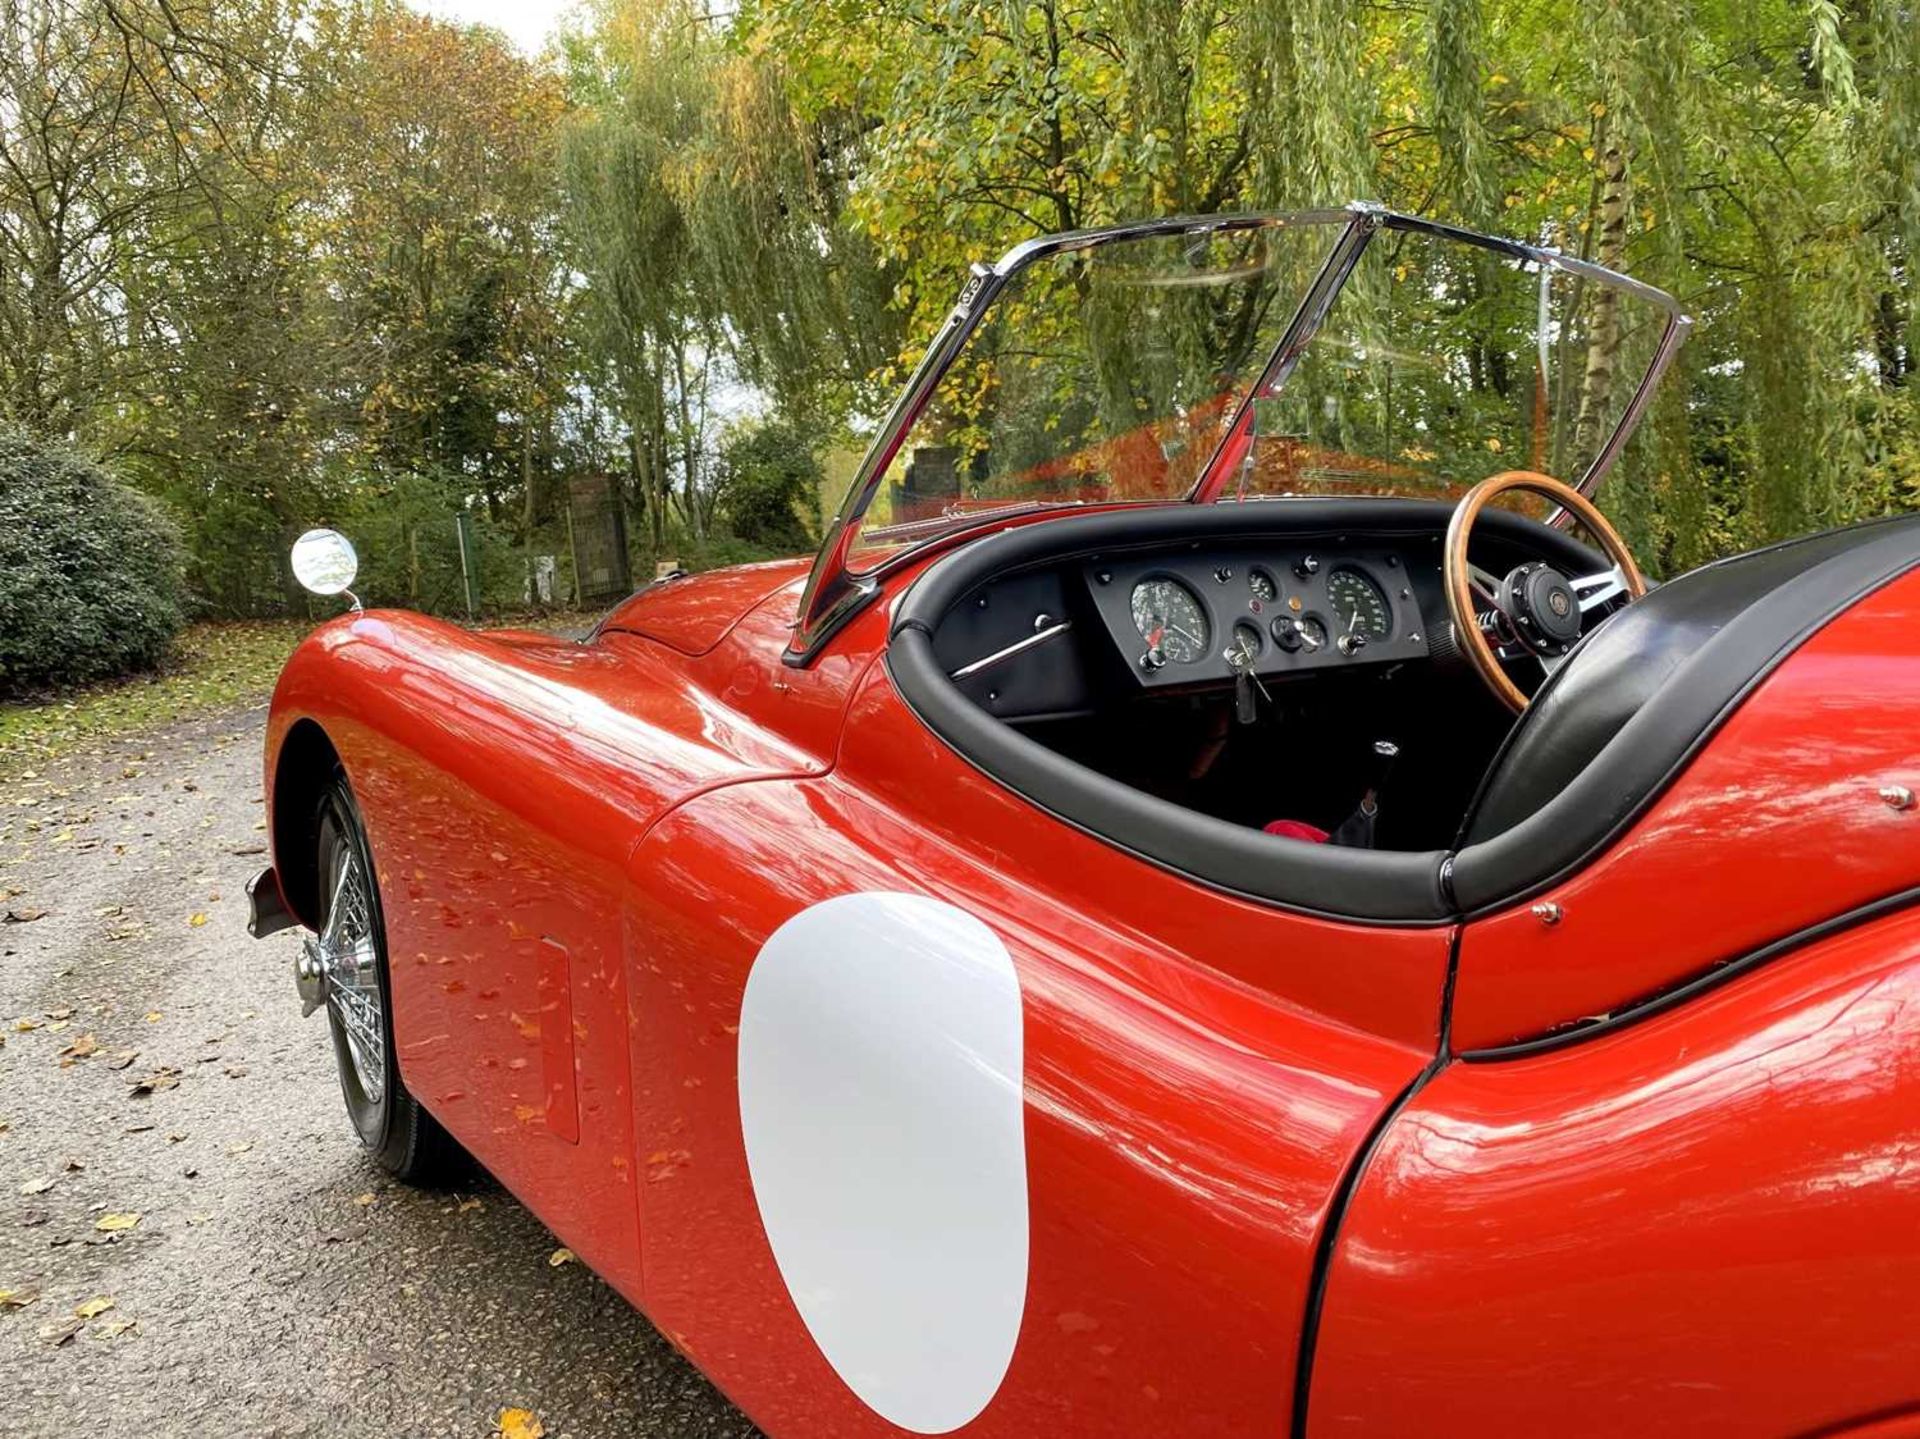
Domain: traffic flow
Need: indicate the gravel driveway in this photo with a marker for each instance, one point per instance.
(272, 1283)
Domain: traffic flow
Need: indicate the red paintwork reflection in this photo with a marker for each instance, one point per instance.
(1777, 825)
(504, 784)
(1703, 1225)
(1185, 1130)
(693, 613)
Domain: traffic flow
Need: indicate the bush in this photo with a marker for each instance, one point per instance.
(90, 571)
(768, 476)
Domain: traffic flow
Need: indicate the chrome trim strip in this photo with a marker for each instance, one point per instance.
(1016, 648)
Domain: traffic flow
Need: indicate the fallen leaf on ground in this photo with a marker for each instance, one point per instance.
(113, 1223)
(114, 1328)
(240, 1146)
(17, 1298)
(64, 1012)
(25, 916)
(123, 1059)
(197, 920)
(560, 1256)
(25, 1026)
(93, 1308)
(37, 1186)
(82, 1048)
(365, 1199)
(520, 1424)
(166, 1077)
(153, 1016)
(60, 1332)
(467, 1204)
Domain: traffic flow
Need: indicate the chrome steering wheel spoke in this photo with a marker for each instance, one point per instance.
(1603, 587)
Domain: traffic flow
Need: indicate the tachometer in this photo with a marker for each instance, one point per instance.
(1359, 605)
(1170, 619)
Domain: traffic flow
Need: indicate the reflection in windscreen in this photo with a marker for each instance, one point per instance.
(1103, 374)
(1442, 363)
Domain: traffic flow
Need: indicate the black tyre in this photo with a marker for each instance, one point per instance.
(402, 1137)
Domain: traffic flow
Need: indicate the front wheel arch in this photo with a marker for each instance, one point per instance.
(306, 766)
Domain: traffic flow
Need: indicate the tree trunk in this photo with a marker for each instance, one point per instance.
(1603, 337)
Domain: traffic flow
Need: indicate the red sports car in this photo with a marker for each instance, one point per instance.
(1193, 915)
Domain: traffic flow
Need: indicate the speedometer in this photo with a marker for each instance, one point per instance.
(1359, 605)
(1170, 619)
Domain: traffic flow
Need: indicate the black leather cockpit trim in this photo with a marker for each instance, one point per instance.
(1368, 886)
(1649, 751)
(1586, 814)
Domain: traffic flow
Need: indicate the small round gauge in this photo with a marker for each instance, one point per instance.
(1262, 587)
(1170, 619)
(1298, 634)
(1245, 645)
(1359, 605)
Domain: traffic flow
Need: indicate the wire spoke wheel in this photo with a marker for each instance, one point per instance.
(351, 962)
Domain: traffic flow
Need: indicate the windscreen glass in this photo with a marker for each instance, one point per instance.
(1099, 374)
(1443, 362)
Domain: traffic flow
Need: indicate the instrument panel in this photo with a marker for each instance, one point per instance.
(1193, 618)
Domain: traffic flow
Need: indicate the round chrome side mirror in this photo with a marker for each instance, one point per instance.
(324, 563)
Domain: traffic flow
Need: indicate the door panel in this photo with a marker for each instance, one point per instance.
(1707, 1223)
(1184, 1128)
(510, 993)
(1777, 825)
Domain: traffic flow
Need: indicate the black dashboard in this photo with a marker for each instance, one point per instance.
(1071, 636)
(1212, 613)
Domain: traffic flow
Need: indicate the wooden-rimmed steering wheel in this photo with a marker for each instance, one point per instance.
(1535, 610)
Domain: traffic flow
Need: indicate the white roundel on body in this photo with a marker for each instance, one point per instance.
(881, 1102)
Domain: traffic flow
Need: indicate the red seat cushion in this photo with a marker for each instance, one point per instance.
(1298, 829)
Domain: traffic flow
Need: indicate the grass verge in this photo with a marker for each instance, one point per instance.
(214, 665)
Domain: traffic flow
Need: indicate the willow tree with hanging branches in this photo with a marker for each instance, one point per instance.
(1760, 160)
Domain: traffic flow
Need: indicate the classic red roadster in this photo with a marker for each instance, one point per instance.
(1199, 913)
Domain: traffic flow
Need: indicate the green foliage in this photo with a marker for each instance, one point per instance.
(768, 480)
(287, 261)
(90, 582)
(406, 532)
(212, 666)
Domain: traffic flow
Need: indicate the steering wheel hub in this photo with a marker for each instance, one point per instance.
(1545, 613)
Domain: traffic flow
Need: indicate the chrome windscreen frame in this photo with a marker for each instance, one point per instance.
(835, 591)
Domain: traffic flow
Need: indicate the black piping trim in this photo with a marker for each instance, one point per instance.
(1508, 895)
(1434, 921)
(1669, 999)
(1329, 1240)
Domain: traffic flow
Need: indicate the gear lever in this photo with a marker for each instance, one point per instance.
(1356, 830)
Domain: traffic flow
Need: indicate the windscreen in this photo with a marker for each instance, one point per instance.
(1099, 374)
(1442, 362)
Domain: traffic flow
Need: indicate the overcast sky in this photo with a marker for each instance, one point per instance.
(527, 22)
